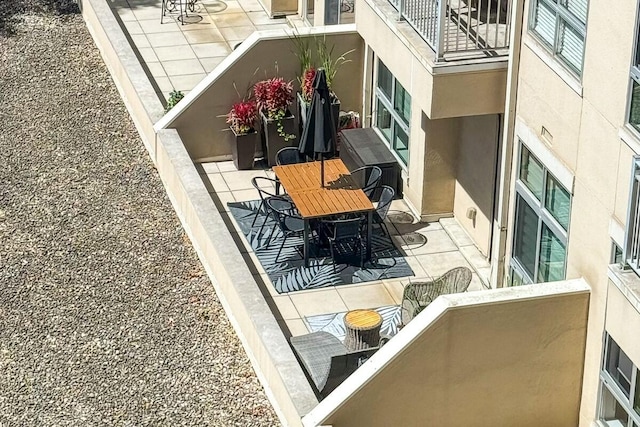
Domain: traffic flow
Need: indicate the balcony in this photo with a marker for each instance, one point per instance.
(457, 28)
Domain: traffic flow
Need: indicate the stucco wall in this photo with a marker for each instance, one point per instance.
(513, 361)
(202, 124)
(279, 7)
(452, 90)
(623, 323)
(584, 118)
(475, 176)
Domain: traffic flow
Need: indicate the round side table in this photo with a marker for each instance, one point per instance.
(363, 329)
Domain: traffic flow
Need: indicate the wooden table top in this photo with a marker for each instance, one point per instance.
(362, 319)
(339, 196)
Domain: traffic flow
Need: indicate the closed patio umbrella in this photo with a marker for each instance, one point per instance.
(319, 135)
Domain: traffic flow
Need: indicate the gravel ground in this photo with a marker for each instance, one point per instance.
(106, 315)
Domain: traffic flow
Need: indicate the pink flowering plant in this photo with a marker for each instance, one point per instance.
(242, 117)
(273, 97)
(306, 86)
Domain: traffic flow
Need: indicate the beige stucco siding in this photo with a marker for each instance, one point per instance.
(505, 364)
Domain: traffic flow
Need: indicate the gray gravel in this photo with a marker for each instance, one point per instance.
(106, 315)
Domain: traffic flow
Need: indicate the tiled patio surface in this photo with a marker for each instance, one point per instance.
(430, 249)
(178, 56)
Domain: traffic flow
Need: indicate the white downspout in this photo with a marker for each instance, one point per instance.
(506, 155)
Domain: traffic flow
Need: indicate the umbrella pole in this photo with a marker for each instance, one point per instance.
(322, 170)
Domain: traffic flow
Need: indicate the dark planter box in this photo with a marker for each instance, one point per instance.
(243, 149)
(363, 147)
(272, 141)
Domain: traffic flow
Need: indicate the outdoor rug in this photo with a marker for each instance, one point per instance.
(289, 274)
(334, 322)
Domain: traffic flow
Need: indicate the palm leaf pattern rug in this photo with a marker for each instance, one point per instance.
(334, 322)
(288, 273)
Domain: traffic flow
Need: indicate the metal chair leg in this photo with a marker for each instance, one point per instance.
(281, 246)
(257, 213)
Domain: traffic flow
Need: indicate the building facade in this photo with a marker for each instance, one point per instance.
(563, 111)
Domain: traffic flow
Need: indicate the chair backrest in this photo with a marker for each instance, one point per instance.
(386, 197)
(367, 178)
(283, 211)
(418, 295)
(346, 228)
(260, 182)
(289, 156)
(344, 365)
(456, 280)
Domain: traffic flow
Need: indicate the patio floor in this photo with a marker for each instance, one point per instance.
(429, 248)
(177, 56)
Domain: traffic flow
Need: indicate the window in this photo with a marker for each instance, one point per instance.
(620, 388)
(561, 25)
(632, 231)
(543, 208)
(634, 106)
(616, 254)
(393, 112)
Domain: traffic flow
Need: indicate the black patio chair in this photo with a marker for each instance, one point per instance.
(285, 214)
(289, 156)
(367, 178)
(259, 182)
(345, 239)
(386, 197)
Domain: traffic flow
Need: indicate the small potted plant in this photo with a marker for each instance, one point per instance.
(242, 121)
(273, 98)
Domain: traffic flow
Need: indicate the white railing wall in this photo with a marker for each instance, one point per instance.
(459, 26)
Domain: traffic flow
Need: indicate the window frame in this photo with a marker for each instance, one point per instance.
(396, 118)
(634, 76)
(611, 385)
(634, 190)
(561, 14)
(545, 218)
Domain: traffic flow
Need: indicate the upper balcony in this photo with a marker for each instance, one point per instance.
(457, 29)
(453, 30)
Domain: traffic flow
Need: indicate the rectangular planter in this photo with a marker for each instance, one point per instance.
(272, 141)
(243, 149)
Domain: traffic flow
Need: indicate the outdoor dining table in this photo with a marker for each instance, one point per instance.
(339, 195)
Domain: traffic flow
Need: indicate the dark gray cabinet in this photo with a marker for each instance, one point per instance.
(363, 147)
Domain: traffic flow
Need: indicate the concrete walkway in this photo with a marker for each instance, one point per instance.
(176, 55)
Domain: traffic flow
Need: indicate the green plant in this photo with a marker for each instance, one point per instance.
(174, 97)
(280, 126)
(303, 52)
(325, 58)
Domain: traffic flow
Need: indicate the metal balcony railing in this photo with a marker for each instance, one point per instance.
(453, 27)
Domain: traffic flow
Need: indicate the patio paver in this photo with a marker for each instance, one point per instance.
(199, 44)
(429, 248)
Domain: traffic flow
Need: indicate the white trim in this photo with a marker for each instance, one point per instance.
(626, 281)
(539, 149)
(616, 232)
(572, 81)
(167, 120)
(629, 136)
(426, 319)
